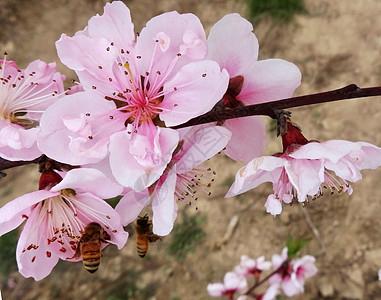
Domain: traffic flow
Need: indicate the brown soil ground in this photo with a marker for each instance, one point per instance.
(336, 43)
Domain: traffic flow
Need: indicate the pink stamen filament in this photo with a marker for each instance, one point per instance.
(333, 183)
(284, 186)
(161, 83)
(150, 69)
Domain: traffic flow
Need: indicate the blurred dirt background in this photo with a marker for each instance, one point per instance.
(334, 44)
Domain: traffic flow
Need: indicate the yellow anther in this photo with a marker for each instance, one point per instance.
(127, 66)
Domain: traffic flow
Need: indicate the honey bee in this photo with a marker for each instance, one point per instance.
(143, 229)
(89, 246)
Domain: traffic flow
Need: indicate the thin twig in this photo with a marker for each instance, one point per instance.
(314, 230)
(284, 265)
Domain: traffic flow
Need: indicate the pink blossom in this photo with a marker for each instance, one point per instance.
(277, 259)
(24, 95)
(234, 46)
(232, 283)
(252, 266)
(291, 275)
(132, 90)
(180, 179)
(56, 217)
(307, 170)
(379, 274)
(160, 79)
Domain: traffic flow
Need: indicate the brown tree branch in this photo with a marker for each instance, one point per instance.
(7, 164)
(266, 109)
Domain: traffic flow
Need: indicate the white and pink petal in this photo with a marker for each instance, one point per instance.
(164, 205)
(115, 24)
(273, 205)
(34, 262)
(195, 89)
(89, 180)
(61, 142)
(18, 210)
(130, 206)
(259, 170)
(332, 150)
(368, 158)
(182, 32)
(232, 44)
(137, 161)
(306, 176)
(269, 80)
(248, 138)
(17, 143)
(200, 143)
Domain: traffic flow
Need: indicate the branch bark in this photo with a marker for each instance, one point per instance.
(268, 109)
(265, 109)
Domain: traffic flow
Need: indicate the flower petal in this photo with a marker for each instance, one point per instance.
(269, 80)
(291, 287)
(259, 170)
(200, 144)
(164, 206)
(140, 169)
(56, 139)
(344, 169)
(130, 206)
(15, 212)
(184, 33)
(235, 282)
(368, 158)
(215, 289)
(17, 143)
(333, 150)
(32, 262)
(196, 88)
(306, 176)
(273, 205)
(83, 53)
(91, 181)
(232, 44)
(248, 138)
(115, 24)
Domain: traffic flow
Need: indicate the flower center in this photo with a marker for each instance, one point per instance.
(284, 190)
(56, 219)
(20, 95)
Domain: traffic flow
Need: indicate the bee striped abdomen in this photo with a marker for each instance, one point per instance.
(91, 260)
(142, 245)
(144, 235)
(89, 246)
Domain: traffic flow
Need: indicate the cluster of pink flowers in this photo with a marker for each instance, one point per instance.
(288, 275)
(115, 131)
(305, 167)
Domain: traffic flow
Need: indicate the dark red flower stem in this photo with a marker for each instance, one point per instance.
(268, 109)
(282, 267)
